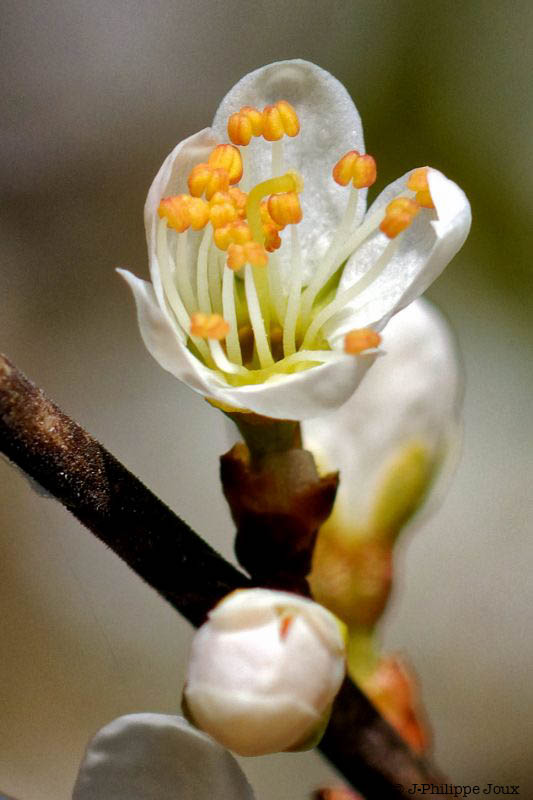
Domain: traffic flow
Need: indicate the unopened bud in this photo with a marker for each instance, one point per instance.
(264, 670)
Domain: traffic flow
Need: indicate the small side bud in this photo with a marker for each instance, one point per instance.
(359, 340)
(264, 670)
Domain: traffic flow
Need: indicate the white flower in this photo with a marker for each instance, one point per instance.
(403, 423)
(264, 670)
(283, 315)
(157, 757)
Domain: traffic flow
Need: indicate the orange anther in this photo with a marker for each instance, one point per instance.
(266, 217)
(208, 326)
(237, 232)
(249, 253)
(238, 198)
(221, 212)
(176, 210)
(272, 237)
(357, 341)
(284, 208)
(280, 119)
(418, 182)
(360, 169)
(255, 117)
(364, 172)
(204, 178)
(228, 157)
(291, 123)
(239, 129)
(343, 169)
(199, 213)
(398, 216)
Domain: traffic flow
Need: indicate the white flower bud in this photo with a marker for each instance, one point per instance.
(264, 670)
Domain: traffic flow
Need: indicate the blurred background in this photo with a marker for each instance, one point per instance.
(94, 96)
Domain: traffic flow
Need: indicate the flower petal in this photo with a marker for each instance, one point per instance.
(412, 394)
(171, 180)
(422, 251)
(298, 396)
(330, 126)
(157, 757)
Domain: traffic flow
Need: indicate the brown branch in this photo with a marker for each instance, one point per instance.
(66, 461)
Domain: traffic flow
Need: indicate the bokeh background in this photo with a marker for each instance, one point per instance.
(94, 95)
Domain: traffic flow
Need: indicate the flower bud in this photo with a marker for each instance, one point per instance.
(264, 670)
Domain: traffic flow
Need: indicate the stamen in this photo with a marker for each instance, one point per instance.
(244, 124)
(181, 274)
(357, 341)
(285, 208)
(280, 119)
(171, 293)
(256, 319)
(343, 298)
(398, 216)
(208, 326)
(277, 294)
(228, 157)
(201, 272)
(176, 211)
(360, 169)
(208, 180)
(418, 182)
(247, 253)
(290, 182)
(293, 305)
(215, 265)
(233, 345)
(199, 213)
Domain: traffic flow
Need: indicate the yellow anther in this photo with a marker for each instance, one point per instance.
(176, 211)
(256, 119)
(228, 157)
(278, 120)
(266, 218)
(290, 182)
(199, 213)
(222, 210)
(208, 326)
(398, 216)
(240, 129)
(244, 124)
(357, 168)
(238, 198)
(359, 340)
(208, 180)
(272, 237)
(237, 232)
(285, 208)
(418, 182)
(291, 123)
(249, 253)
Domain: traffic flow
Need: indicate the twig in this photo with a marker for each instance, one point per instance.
(66, 461)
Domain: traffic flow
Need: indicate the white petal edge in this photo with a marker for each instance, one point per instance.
(330, 126)
(413, 393)
(310, 393)
(157, 757)
(423, 251)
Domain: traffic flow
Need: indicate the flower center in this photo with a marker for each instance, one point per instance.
(217, 252)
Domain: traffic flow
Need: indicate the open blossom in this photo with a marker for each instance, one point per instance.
(394, 443)
(264, 670)
(269, 280)
(157, 756)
